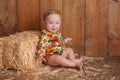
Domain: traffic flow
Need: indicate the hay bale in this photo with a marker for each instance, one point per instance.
(19, 50)
(8, 53)
(25, 53)
(1, 50)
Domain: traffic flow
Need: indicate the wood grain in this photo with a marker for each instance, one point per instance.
(28, 15)
(114, 28)
(73, 23)
(96, 27)
(8, 17)
(3, 17)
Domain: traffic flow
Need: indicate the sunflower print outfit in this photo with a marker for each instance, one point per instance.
(50, 44)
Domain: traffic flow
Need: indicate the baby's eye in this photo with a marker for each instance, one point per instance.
(57, 22)
(50, 22)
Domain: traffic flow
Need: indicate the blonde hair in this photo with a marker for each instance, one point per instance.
(49, 12)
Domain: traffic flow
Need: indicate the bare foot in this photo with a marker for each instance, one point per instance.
(80, 64)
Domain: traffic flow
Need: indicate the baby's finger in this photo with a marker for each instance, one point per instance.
(69, 42)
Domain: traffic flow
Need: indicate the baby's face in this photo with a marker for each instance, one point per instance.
(53, 23)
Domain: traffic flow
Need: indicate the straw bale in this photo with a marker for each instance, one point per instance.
(25, 53)
(8, 52)
(1, 50)
(19, 50)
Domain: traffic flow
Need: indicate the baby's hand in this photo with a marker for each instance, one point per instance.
(44, 30)
(41, 56)
(68, 40)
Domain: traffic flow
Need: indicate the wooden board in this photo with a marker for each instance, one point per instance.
(8, 17)
(114, 28)
(73, 23)
(28, 15)
(2, 17)
(96, 27)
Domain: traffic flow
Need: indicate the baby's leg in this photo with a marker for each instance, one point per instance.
(56, 60)
(80, 64)
(68, 53)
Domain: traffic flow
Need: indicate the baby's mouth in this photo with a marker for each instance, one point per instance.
(53, 29)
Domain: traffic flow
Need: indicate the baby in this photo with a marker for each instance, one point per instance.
(51, 46)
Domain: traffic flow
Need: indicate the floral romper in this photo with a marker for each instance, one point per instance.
(50, 44)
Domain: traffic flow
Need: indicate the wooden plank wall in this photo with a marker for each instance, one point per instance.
(8, 17)
(93, 24)
(114, 28)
